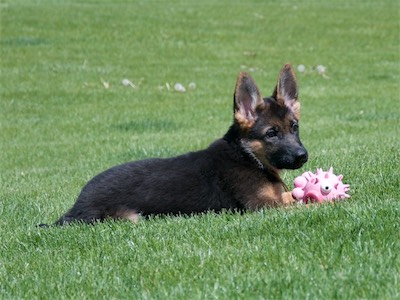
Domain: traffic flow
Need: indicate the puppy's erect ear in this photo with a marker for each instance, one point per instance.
(247, 98)
(286, 90)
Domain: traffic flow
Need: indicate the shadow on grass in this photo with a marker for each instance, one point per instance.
(147, 126)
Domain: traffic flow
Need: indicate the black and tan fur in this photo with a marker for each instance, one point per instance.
(240, 171)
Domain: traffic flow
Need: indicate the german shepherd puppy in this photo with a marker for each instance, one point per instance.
(237, 172)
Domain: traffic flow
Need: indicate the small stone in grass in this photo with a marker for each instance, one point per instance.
(179, 88)
(321, 69)
(301, 68)
(127, 82)
(192, 85)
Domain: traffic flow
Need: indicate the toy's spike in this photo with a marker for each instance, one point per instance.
(330, 170)
(340, 177)
(319, 171)
(326, 175)
(336, 185)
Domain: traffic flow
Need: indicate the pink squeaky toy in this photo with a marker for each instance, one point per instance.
(319, 187)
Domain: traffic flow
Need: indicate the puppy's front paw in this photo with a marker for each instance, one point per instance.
(287, 198)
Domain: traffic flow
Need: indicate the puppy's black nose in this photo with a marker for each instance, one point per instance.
(301, 156)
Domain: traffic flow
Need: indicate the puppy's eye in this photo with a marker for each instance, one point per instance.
(272, 132)
(295, 127)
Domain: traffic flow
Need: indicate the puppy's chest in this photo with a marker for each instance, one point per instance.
(257, 191)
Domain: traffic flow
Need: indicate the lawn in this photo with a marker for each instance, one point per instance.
(66, 115)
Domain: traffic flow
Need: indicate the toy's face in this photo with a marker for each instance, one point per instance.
(319, 190)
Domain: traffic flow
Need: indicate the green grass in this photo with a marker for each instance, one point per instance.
(60, 125)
